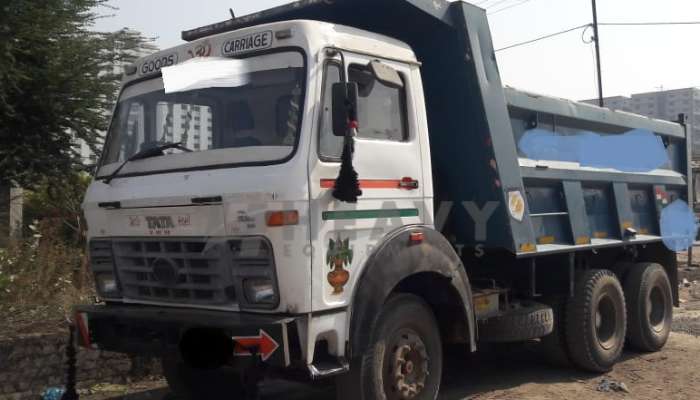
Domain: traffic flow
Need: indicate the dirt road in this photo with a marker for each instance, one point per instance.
(516, 372)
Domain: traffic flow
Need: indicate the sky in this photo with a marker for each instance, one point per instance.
(635, 59)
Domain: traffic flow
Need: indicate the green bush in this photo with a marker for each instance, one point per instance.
(59, 201)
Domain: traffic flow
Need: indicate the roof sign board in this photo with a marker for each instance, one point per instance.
(245, 44)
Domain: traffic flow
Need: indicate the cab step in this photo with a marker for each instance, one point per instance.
(328, 368)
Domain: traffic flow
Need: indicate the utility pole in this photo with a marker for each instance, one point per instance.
(601, 102)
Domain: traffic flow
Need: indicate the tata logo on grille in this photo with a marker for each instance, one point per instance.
(165, 222)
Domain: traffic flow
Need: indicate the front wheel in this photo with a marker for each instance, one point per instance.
(404, 359)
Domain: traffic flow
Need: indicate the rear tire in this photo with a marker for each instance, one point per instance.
(404, 359)
(596, 321)
(186, 382)
(649, 307)
(553, 346)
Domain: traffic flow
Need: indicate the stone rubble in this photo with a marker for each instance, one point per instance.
(30, 364)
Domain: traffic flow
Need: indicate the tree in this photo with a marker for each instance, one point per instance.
(60, 204)
(57, 82)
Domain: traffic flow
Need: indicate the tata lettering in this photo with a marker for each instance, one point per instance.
(256, 41)
(160, 222)
(155, 64)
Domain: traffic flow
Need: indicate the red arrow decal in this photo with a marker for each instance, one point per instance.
(263, 344)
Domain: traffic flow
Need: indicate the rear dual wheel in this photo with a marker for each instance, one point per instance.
(649, 307)
(596, 321)
(553, 346)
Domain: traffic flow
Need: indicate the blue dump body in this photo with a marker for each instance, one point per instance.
(607, 179)
(560, 176)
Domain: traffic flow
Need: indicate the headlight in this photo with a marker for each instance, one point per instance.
(260, 291)
(102, 265)
(253, 270)
(106, 285)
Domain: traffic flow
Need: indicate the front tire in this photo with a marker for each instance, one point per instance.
(596, 321)
(649, 307)
(404, 359)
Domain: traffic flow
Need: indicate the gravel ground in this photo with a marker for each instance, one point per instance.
(686, 319)
(515, 372)
(507, 372)
(687, 325)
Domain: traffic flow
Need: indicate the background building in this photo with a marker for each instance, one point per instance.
(88, 157)
(666, 104)
(187, 124)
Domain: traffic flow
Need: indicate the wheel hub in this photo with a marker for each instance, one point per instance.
(656, 309)
(606, 322)
(410, 366)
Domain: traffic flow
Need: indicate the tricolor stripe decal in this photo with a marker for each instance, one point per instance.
(368, 184)
(369, 214)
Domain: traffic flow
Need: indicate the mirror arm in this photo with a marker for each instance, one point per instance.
(333, 51)
(347, 185)
(353, 123)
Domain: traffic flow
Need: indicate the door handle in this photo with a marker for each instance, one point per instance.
(408, 183)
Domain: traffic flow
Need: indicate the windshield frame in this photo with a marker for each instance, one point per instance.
(102, 175)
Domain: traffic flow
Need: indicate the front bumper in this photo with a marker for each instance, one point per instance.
(157, 331)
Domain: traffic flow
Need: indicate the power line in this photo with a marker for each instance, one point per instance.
(649, 23)
(544, 37)
(669, 23)
(509, 7)
(497, 3)
(490, 3)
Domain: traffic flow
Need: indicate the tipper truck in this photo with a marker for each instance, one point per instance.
(342, 188)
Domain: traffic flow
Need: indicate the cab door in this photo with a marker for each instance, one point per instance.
(388, 160)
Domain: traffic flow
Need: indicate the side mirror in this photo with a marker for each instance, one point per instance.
(344, 106)
(386, 75)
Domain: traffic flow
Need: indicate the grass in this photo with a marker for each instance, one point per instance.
(44, 271)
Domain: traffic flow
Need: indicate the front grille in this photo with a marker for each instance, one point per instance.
(192, 271)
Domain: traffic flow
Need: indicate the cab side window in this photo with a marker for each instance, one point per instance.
(330, 146)
(381, 110)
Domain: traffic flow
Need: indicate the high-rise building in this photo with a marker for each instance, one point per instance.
(188, 124)
(666, 104)
(88, 157)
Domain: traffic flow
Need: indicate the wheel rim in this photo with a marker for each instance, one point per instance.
(406, 370)
(606, 322)
(656, 308)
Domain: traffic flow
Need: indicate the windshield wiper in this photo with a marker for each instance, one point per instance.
(150, 152)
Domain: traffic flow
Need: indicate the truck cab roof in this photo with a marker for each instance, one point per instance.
(307, 35)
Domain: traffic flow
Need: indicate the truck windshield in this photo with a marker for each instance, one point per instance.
(255, 120)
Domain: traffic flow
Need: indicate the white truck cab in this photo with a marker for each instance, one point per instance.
(259, 177)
